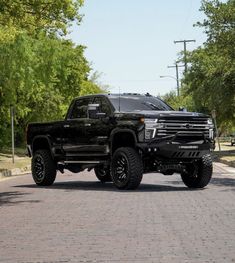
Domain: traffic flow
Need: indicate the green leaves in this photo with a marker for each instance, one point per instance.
(40, 77)
(220, 22)
(211, 79)
(40, 15)
(40, 71)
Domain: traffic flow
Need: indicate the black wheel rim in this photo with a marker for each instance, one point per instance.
(39, 168)
(192, 171)
(121, 170)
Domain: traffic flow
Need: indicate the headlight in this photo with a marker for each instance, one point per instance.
(151, 126)
(211, 128)
(210, 122)
(149, 134)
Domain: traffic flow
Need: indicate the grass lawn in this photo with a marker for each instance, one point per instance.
(21, 160)
(226, 155)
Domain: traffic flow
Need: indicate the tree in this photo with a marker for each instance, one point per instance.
(177, 102)
(211, 78)
(220, 22)
(40, 77)
(40, 71)
(36, 15)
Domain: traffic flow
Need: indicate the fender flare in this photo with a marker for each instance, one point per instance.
(45, 138)
(120, 130)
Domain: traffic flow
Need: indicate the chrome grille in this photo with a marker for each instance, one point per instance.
(189, 126)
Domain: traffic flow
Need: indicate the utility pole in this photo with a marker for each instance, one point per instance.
(185, 50)
(176, 66)
(12, 113)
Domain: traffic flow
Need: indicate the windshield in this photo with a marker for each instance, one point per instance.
(138, 103)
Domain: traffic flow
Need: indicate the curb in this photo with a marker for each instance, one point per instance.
(16, 171)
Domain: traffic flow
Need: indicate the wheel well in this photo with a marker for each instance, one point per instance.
(123, 139)
(40, 143)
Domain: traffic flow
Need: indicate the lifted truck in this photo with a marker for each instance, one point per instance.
(122, 137)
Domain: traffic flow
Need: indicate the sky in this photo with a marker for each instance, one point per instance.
(131, 42)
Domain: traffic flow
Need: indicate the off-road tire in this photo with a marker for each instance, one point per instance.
(199, 174)
(126, 168)
(103, 174)
(43, 168)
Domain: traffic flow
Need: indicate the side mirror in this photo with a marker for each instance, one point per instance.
(93, 111)
(182, 109)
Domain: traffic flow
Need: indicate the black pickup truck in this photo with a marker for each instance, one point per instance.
(122, 137)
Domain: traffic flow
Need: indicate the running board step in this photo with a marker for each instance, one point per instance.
(88, 162)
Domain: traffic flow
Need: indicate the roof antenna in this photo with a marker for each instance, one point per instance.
(119, 100)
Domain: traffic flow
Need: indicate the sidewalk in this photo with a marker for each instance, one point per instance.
(224, 168)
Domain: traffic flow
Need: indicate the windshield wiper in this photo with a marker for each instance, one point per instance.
(152, 106)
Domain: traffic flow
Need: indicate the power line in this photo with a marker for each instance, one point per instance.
(185, 50)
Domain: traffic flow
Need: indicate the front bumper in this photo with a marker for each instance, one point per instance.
(178, 147)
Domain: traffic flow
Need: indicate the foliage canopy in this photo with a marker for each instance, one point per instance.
(210, 80)
(36, 15)
(40, 70)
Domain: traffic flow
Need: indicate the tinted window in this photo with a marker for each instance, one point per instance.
(80, 108)
(138, 103)
(104, 105)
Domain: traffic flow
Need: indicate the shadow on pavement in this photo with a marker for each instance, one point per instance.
(230, 182)
(10, 198)
(223, 182)
(98, 186)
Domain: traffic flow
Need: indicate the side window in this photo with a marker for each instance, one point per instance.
(80, 108)
(104, 106)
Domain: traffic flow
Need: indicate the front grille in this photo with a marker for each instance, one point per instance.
(182, 125)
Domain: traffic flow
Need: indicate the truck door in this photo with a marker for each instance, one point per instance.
(74, 139)
(98, 129)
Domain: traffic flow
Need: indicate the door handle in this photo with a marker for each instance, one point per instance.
(66, 126)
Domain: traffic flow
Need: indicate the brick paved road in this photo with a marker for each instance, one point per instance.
(82, 220)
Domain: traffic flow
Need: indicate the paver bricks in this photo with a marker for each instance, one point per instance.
(81, 220)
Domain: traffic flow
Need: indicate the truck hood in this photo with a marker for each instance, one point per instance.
(159, 114)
